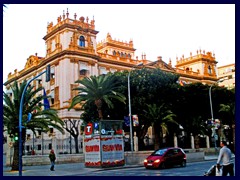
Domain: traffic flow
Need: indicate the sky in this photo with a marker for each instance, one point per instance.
(167, 30)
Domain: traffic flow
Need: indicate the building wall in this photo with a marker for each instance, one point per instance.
(227, 72)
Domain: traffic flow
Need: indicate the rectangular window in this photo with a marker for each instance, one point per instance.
(83, 68)
(27, 148)
(83, 72)
(52, 72)
(50, 146)
(52, 97)
(39, 147)
(51, 130)
(103, 70)
(112, 70)
(39, 132)
(28, 136)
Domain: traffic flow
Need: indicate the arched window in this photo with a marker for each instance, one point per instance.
(114, 53)
(82, 41)
(121, 54)
(209, 70)
(129, 56)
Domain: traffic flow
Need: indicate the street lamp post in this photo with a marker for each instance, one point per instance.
(210, 99)
(129, 105)
(20, 117)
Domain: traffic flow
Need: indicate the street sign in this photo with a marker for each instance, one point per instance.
(89, 129)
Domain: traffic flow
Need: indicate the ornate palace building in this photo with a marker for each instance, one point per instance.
(227, 72)
(73, 53)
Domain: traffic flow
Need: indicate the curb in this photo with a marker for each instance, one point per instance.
(120, 167)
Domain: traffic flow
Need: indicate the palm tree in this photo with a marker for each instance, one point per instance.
(229, 111)
(160, 117)
(98, 89)
(41, 119)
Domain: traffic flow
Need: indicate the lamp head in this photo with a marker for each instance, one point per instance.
(221, 80)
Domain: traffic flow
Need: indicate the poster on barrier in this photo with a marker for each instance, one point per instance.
(112, 151)
(103, 144)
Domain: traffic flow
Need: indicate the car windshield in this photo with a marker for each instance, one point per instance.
(159, 152)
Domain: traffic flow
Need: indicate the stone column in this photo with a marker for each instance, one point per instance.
(175, 140)
(207, 142)
(192, 142)
(9, 151)
(135, 142)
(54, 143)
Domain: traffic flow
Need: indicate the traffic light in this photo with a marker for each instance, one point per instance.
(48, 73)
(15, 137)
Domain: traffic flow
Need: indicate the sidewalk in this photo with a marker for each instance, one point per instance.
(66, 169)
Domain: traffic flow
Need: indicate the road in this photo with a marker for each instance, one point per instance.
(78, 169)
(192, 169)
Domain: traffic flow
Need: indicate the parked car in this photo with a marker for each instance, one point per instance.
(166, 157)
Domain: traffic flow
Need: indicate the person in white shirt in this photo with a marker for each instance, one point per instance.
(225, 157)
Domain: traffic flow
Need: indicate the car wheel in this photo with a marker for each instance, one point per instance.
(162, 165)
(183, 164)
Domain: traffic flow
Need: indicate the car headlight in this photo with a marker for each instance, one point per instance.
(157, 161)
(145, 160)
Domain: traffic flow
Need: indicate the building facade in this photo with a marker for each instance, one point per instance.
(227, 72)
(73, 53)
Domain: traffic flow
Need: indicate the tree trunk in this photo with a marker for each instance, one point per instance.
(157, 136)
(76, 144)
(141, 132)
(197, 142)
(15, 163)
(98, 103)
(100, 114)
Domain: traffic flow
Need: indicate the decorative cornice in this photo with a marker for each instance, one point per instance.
(71, 26)
(101, 46)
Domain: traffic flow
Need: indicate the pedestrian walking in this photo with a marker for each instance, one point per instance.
(224, 156)
(52, 158)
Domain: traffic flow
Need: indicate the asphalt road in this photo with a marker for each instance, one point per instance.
(192, 169)
(78, 169)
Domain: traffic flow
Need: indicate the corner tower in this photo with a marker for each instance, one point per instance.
(78, 35)
(202, 64)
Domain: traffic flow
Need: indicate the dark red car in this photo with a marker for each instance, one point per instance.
(166, 157)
